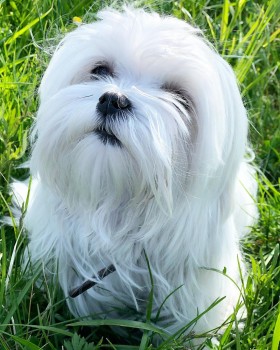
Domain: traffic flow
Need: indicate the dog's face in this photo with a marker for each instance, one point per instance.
(135, 107)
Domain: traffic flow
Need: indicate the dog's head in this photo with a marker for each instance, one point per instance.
(137, 106)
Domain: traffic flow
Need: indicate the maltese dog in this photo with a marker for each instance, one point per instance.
(138, 169)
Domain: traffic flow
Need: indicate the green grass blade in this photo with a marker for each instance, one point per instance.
(26, 343)
(276, 334)
(149, 310)
(17, 302)
(164, 301)
(3, 265)
(26, 28)
(120, 323)
(224, 22)
(189, 325)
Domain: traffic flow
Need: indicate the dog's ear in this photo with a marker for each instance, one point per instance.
(72, 59)
(221, 120)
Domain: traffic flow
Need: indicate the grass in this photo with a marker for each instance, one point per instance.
(246, 34)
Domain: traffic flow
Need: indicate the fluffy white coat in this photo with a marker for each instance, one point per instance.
(177, 188)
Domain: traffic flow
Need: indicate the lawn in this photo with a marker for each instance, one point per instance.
(246, 33)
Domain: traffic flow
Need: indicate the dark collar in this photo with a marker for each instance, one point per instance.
(90, 283)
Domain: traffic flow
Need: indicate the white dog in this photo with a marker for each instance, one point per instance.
(139, 149)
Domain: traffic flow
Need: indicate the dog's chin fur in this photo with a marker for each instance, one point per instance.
(175, 184)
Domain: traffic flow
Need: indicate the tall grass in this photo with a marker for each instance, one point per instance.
(246, 34)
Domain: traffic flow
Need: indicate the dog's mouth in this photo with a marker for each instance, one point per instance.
(106, 136)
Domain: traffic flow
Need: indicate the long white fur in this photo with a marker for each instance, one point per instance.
(178, 188)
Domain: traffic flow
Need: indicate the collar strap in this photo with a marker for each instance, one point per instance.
(89, 283)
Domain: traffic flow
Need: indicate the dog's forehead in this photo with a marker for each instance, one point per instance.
(139, 47)
(138, 41)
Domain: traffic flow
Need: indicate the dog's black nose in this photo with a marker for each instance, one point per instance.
(111, 103)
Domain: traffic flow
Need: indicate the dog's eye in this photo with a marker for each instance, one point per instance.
(180, 94)
(101, 70)
(173, 89)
